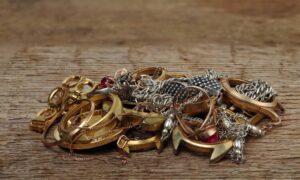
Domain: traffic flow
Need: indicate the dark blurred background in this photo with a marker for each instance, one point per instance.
(132, 22)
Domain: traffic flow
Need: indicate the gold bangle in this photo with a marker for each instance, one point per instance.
(100, 137)
(128, 145)
(241, 99)
(73, 133)
(114, 111)
(103, 129)
(68, 137)
(208, 132)
(218, 149)
(244, 102)
(70, 133)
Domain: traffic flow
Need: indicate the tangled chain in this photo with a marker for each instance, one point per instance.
(124, 86)
(257, 90)
(149, 94)
(161, 96)
(148, 89)
(230, 130)
(212, 74)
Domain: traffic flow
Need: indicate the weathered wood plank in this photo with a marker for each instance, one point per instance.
(134, 22)
(41, 42)
(34, 70)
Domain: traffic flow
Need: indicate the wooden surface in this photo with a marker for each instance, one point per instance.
(41, 42)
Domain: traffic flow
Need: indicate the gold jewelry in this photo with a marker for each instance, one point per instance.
(55, 98)
(100, 137)
(156, 72)
(209, 105)
(176, 75)
(84, 87)
(128, 145)
(114, 111)
(218, 149)
(205, 113)
(38, 123)
(210, 131)
(151, 121)
(196, 108)
(71, 81)
(69, 134)
(244, 102)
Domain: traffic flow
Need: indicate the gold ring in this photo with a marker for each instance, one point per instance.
(55, 98)
(209, 108)
(71, 81)
(157, 73)
(80, 90)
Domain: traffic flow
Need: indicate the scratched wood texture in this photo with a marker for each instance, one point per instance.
(41, 42)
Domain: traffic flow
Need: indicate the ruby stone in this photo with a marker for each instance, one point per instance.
(106, 82)
(212, 139)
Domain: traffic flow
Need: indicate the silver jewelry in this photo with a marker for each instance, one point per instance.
(256, 90)
(237, 153)
(169, 124)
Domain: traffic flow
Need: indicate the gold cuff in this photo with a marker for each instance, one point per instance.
(128, 145)
(244, 102)
(218, 149)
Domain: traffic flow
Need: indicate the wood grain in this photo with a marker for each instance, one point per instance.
(41, 45)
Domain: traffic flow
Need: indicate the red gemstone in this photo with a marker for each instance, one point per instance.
(106, 82)
(212, 139)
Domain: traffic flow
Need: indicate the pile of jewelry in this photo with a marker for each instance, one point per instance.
(143, 109)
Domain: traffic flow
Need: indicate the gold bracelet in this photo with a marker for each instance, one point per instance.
(105, 135)
(114, 111)
(218, 149)
(244, 102)
(67, 137)
(128, 145)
